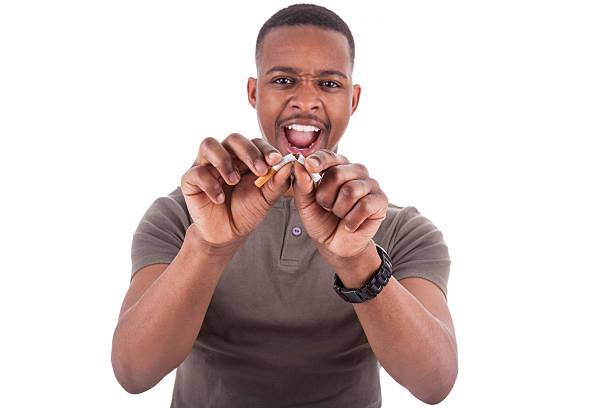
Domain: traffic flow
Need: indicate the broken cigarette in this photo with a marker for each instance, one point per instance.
(291, 157)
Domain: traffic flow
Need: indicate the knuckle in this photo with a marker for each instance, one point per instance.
(368, 206)
(356, 188)
(234, 137)
(385, 200)
(349, 190)
(185, 177)
(362, 168)
(208, 143)
(189, 174)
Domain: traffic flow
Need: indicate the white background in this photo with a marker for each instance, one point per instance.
(491, 118)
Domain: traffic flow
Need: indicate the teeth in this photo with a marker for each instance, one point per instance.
(303, 128)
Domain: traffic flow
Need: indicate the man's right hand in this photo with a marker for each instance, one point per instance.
(222, 199)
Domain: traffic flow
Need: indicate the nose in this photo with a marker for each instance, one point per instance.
(306, 97)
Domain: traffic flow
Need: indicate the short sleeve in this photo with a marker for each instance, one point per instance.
(417, 249)
(160, 233)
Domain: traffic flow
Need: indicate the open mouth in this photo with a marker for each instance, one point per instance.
(301, 138)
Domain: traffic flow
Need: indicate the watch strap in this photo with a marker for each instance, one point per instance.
(372, 288)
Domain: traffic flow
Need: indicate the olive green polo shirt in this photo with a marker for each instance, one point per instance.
(275, 333)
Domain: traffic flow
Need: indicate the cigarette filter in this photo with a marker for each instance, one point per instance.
(285, 160)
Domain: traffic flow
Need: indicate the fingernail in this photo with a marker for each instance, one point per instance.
(275, 155)
(314, 161)
(234, 177)
(220, 197)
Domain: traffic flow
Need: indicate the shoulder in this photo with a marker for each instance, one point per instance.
(174, 203)
(167, 212)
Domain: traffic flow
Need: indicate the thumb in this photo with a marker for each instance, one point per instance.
(277, 185)
(303, 187)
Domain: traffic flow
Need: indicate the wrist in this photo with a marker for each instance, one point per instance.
(195, 241)
(355, 271)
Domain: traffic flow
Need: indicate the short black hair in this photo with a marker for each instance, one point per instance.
(306, 14)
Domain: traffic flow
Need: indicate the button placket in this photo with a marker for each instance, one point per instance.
(293, 248)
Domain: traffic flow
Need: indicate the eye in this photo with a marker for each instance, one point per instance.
(282, 81)
(330, 84)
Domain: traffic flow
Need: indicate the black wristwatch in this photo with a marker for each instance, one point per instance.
(370, 289)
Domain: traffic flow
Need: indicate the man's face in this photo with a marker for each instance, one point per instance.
(304, 94)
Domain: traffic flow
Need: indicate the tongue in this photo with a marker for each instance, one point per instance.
(300, 139)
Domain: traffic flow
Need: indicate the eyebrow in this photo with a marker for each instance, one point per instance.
(293, 71)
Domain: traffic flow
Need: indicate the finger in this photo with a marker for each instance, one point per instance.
(334, 178)
(198, 180)
(324, 159)
(277, 185)
(371, 207)
(304, 190)
(303, 182)
(247, 152)
(272, 154)
(214, 153)
(350, 193)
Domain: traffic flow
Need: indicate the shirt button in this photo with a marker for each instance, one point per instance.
(296, 231)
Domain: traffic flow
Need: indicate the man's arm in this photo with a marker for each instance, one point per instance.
(163, 312)
(411, 337)
(409, 328)
(162, 316)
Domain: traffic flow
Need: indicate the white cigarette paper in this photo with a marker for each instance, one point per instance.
(285, 160)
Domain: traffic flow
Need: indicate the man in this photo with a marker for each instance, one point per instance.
(234, 284)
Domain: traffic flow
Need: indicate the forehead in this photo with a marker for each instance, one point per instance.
(307, 48)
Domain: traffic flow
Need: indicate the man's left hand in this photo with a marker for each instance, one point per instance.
(344, 212)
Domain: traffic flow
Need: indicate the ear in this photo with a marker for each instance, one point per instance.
(252, 90)
(356, 95)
